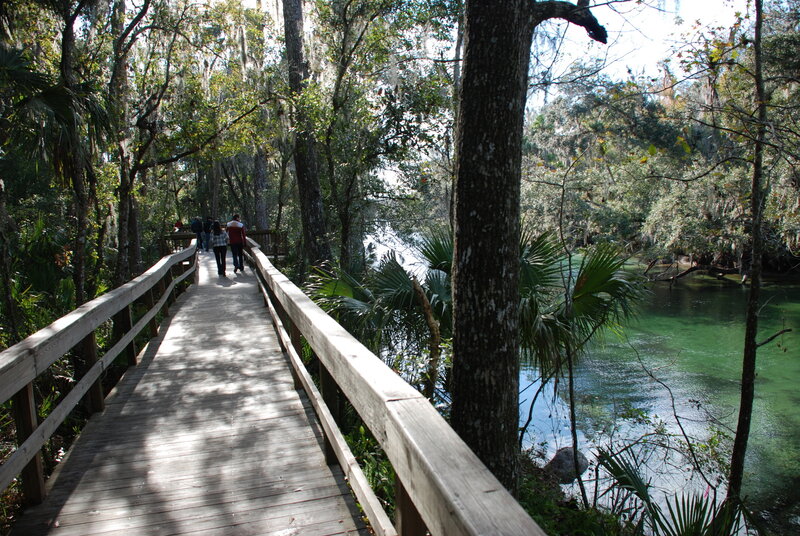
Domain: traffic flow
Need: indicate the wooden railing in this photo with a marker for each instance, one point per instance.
(271, 242)
(442, 487)
(21, 364)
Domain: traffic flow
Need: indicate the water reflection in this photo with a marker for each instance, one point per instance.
(690, 337)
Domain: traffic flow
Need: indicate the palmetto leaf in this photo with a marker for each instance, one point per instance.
(686, 515)
(623, 470)
(437, 286)
(540, 259)
(392, 284)
(603, 293)
(17, 74)
(436, 247)
(349, 301)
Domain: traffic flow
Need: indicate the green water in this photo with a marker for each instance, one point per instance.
(690, 336)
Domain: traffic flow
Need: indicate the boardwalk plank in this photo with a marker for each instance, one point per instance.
(205, 436)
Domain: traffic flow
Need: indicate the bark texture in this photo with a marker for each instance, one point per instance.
(486, 258)
(485, 381)
(305, 155)
(72, 160)
(118, 89)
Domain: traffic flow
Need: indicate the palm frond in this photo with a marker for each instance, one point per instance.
(686, 514)
(603, 293)
(392, 285)
(437, 284)
(540, 260)
(17, 74)
(349, 301)
(625, 474)
(436, 247)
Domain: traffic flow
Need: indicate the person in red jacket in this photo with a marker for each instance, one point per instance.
(236, 240)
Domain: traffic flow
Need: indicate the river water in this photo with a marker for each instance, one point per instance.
(690, 336)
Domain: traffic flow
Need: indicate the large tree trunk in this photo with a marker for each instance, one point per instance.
(317, 247)
(751, 322)
(118, 88)
(486, 257)
(135, 261)
(73, 161)
(214, 186)
(128, 254)
(11, 314)
(260, 176)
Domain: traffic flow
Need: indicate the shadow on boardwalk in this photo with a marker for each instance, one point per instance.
(205, 436)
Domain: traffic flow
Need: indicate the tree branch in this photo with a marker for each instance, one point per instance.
(198, 147)
(767, 341)
(576, 14)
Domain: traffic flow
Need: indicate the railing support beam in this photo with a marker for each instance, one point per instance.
(122, 325)
(332, 399)
(94, 399)
(407, 520)
(33, 475)
(150, 301)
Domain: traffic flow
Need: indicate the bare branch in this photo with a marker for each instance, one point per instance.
(767, 341)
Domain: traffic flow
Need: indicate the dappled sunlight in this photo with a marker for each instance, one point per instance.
(206, 435)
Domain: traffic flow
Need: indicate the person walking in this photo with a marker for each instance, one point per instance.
(197, 228)
(207, 225)
(219, 241)
(237, 239)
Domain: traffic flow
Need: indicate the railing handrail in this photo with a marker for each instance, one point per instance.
(22, 363)
(50, 343)
(453, 491)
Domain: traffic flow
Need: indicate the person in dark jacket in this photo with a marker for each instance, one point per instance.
(197, 228)
(237, 239)
(207, 232)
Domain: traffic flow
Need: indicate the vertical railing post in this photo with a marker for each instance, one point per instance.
(294, 337)
(196, 263)
(94, 399)
(173, 295)
(149, 302)
(32, 475)
(332, 399)
(160, 286)
(122, 325)
(407, 520)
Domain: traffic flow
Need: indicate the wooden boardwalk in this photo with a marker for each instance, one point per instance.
(206, 436)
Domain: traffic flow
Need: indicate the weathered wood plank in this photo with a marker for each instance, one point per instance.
(379, 521)
(150, 489)
(292, 518)
(179, 503)
(205, 436)
(26, 422)
(453, 491)
(29, 449)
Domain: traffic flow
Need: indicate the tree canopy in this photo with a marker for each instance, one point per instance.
(335, 122)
